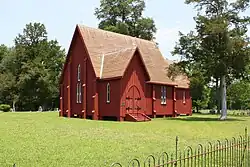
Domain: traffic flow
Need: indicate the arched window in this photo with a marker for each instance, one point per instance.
(80, 92)
(79, 85)
(108, 93)
(79, 72)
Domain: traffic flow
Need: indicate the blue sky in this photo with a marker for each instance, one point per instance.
(61, 16)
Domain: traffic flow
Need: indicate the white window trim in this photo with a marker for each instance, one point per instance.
(78, 72)
(77, 93)
(80, 92)
(78, 86)
(108, 93)
(163, 95)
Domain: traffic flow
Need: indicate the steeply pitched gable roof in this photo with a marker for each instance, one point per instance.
(110, 53)
(114, 64)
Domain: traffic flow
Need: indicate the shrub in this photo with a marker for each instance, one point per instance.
(4, 107)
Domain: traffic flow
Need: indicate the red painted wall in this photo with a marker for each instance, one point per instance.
(163, 109)
(134, 75)
(90, 87)
(109, 109)
(64, 94)
(78, 55)
(181, 107)
(149, 99)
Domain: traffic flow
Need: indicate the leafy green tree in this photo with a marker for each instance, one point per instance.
(7, 84)
(41, 64)
(4, 50)
(238, 95)
(31, 72)
(219, 43)
(8, 93)
(200, 92)
(125, 17)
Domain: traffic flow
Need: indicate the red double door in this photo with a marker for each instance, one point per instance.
(133, 100)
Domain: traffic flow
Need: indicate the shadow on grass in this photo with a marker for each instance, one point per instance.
(193, 119)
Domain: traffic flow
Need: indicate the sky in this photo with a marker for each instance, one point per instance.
(61, 16)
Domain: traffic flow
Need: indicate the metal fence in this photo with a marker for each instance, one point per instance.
(227, 153)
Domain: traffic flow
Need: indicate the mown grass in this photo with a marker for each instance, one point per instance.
(44, 139)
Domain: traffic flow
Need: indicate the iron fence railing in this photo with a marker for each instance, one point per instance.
(227, 153)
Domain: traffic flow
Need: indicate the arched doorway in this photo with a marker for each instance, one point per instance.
(133, 100)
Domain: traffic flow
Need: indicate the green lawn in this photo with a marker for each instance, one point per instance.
(44, 139)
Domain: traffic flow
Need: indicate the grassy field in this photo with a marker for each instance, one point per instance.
(44, 139)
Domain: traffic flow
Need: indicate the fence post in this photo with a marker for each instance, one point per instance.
(176, 150)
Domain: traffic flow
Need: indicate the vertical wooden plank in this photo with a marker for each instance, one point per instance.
(153, 101)
(84, 85)
(61, 100)
(83, 101)
(68, 88)
(95, 101)
(174, 102)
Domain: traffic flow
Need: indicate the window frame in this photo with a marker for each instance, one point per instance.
(78, 85)
(108, 93)
(79, 72)
(77, 94)
(163, 95)
(80, 93)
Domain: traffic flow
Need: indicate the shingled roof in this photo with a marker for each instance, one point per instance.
(114, 64)
(111, 52)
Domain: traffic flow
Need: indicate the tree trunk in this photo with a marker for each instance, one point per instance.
(223, 98)
(217, 96)
(13, 106)
(197, 109)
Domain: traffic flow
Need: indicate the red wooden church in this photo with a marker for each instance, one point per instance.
(112, 76)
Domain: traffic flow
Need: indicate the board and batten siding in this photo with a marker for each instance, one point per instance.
(135, 75)
(183, 101)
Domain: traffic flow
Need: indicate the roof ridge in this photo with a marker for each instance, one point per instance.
(118, 34)
(121, 50)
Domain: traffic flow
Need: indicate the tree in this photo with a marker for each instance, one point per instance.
(219, 43)
(8, 93)
(4, 50)
(200, 92)
(239, 96)
(42, 62)
(125, 17)
(7, 89)
(31, 72)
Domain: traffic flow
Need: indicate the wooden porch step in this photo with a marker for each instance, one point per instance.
(137, 117)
